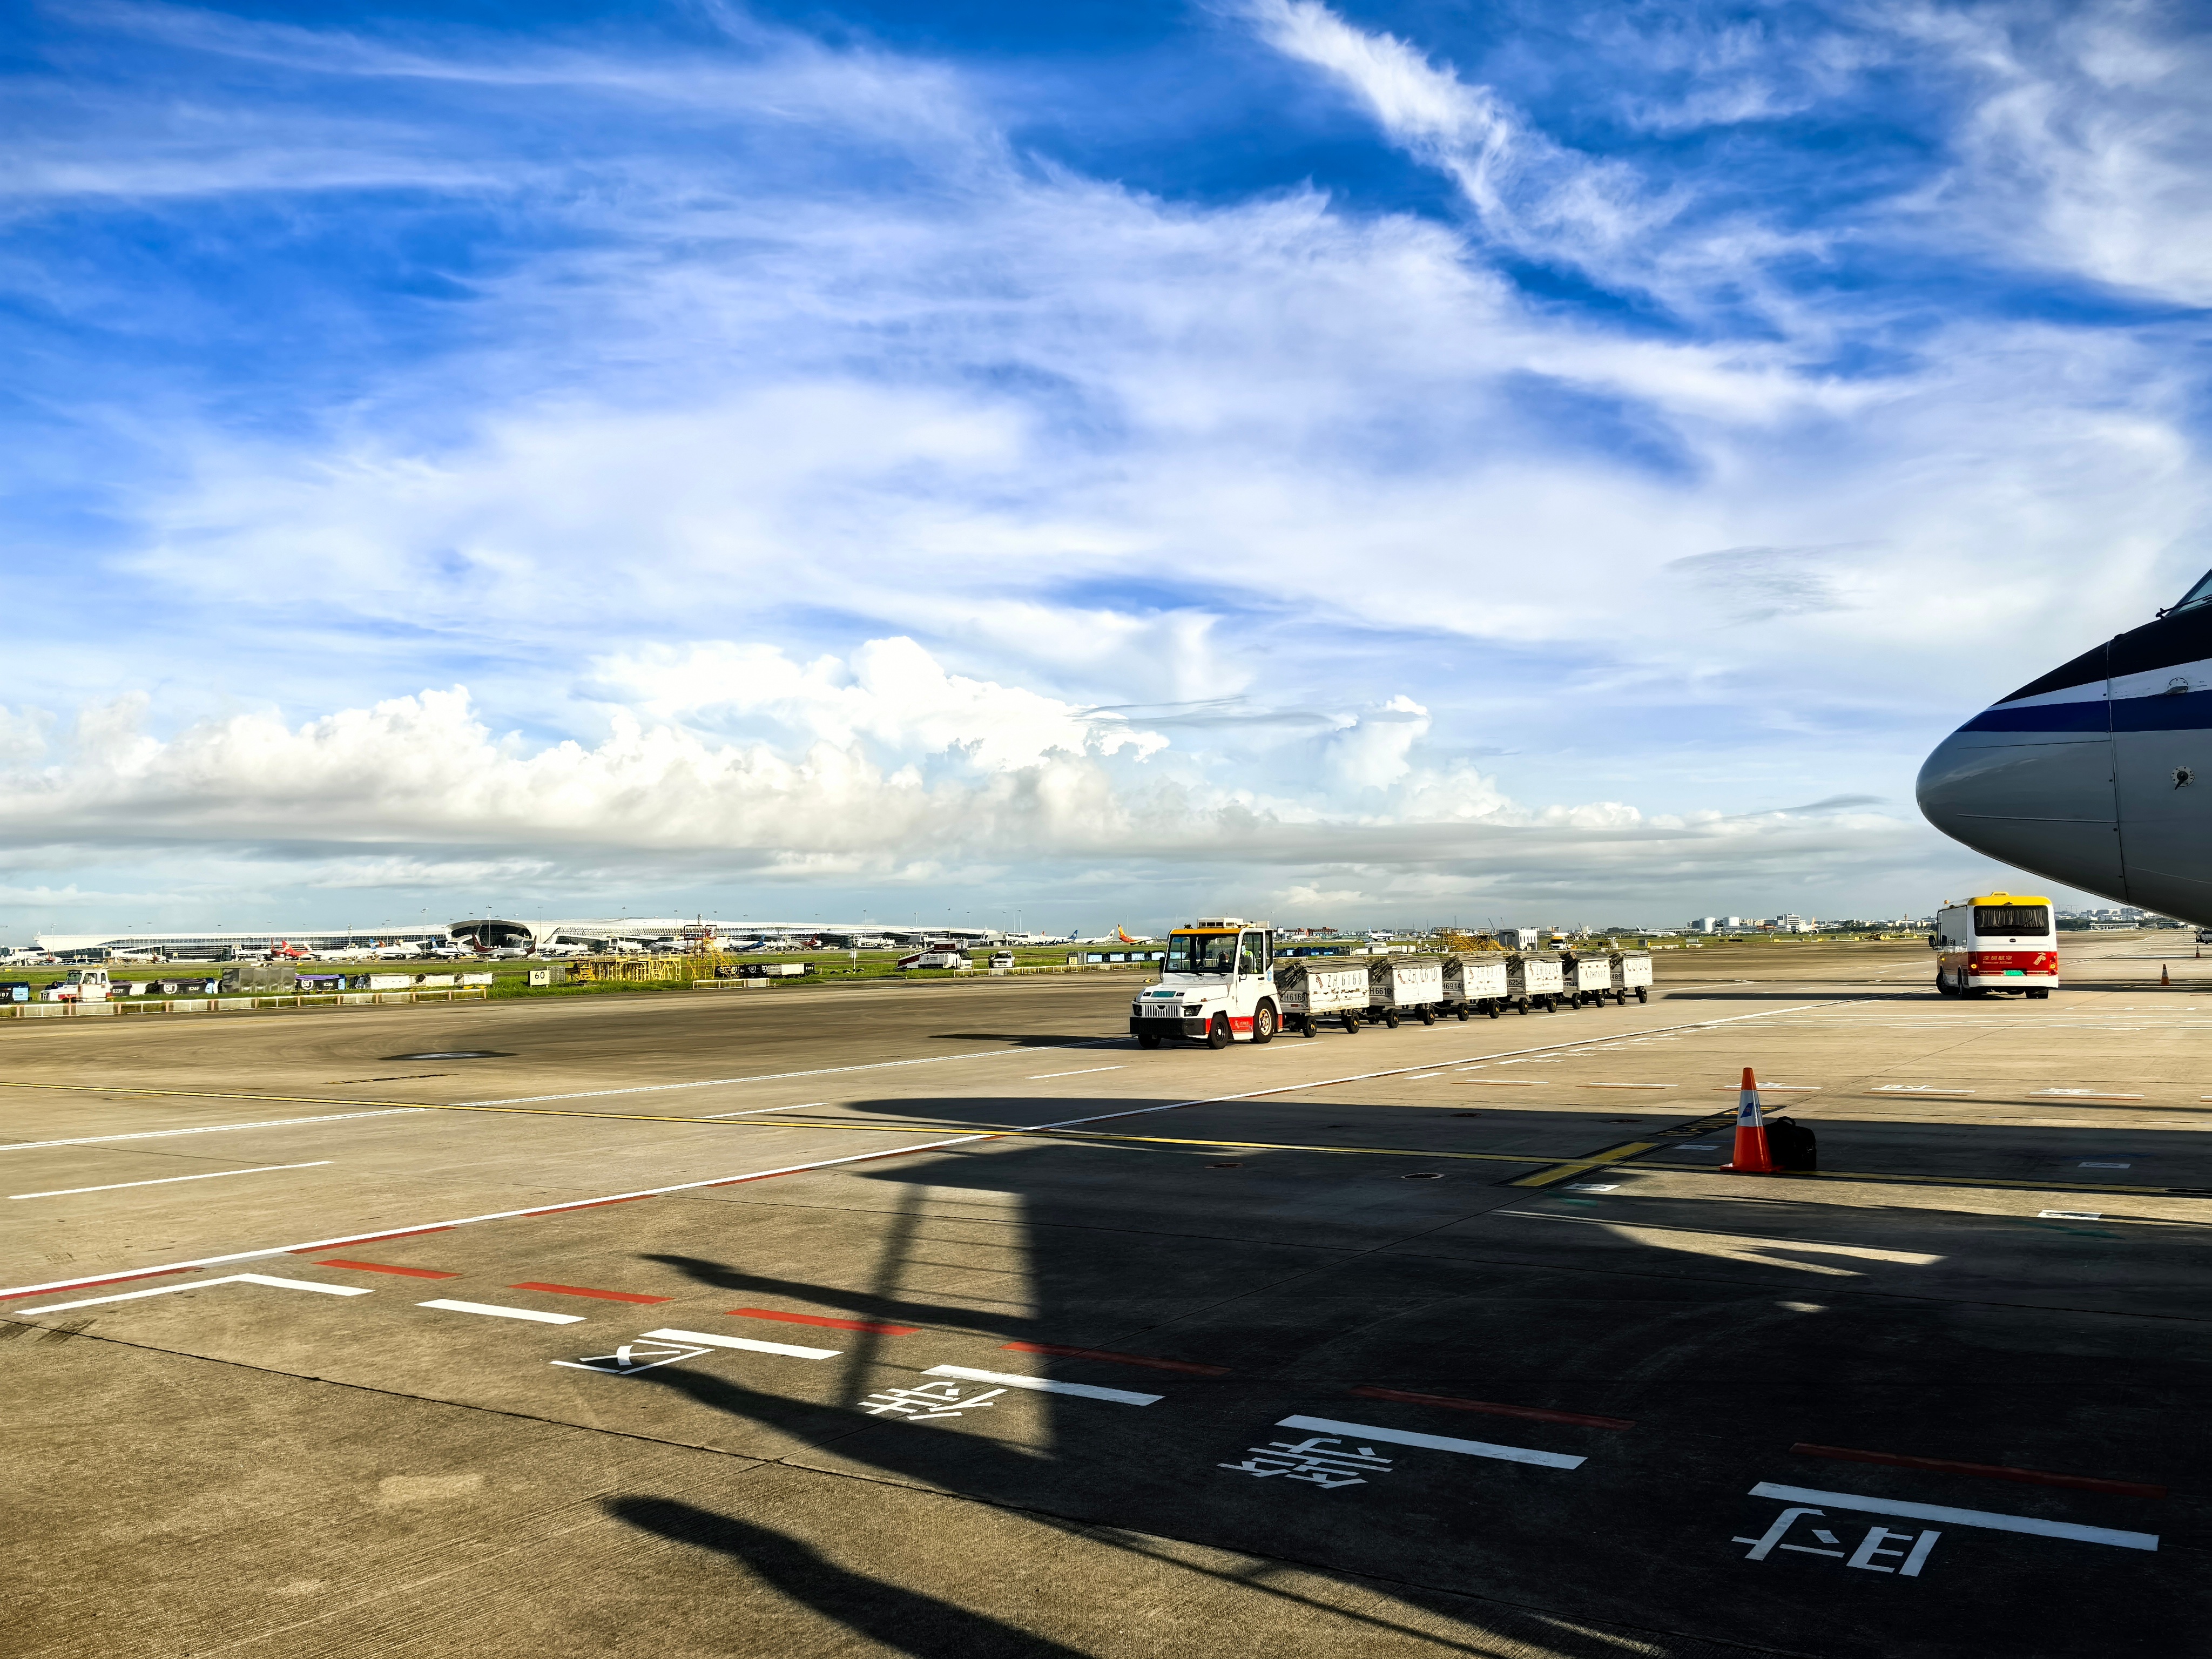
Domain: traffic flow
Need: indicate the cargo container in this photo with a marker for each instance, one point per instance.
(1319, 989)
(1533, 981)
(1409, 987)
(1474, 983)
(1632, 971)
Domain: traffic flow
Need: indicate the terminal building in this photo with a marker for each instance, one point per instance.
(502, 932)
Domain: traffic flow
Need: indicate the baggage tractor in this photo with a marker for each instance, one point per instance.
(1533, 979)
(1631, 972)
(1411, 987)
(1474, 983)
(1321, 989)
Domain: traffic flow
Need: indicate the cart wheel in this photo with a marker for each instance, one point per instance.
(1148, 1041)
(1463, 1014)
(1428, 1016)
(1492, 1011)
(1390, 1019)
(1217, 1035)
(1640, 997)
(1350, 1024)
(1524, 1005)
(1309, 1027)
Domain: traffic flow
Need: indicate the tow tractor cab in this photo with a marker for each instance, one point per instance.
(1998, 942)
(83, 985)
(1218, 983)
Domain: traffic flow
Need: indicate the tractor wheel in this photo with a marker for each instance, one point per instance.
(1217, 1035)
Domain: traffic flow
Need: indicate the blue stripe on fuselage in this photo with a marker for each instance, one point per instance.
(2185, 711)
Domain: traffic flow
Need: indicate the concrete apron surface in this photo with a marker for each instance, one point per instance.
(759, 1328)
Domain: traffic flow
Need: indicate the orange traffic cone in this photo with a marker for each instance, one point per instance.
(2163, 978)
(1753, 1155)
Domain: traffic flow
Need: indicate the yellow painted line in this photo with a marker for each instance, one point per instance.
(1545, 1177)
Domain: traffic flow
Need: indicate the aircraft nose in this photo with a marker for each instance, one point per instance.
(2015, 785)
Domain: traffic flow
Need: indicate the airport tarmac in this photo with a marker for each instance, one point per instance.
(943, 1320)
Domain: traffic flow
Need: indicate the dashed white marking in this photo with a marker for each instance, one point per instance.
(216, 1175)
(1046, 1385)
(750, 1344)
(207, 1129)
(1435, 1442)
(491, 1310)
(1996, 1523)
(1587, 1186)
(201, 1284)
(2069, 1215)
(1085, 1072)
(2086, 1094)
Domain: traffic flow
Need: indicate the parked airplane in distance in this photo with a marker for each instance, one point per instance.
(2099, 774)
(397, 952)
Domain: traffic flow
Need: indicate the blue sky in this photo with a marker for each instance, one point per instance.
(1083, 464)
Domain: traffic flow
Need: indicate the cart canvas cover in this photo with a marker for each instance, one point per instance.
(1320, 987)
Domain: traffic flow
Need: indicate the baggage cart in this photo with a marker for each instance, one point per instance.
(1587, 979)
(1411, 987)
(1321, 989)
(1536, 981)
(1474, 983)
(1632, 971)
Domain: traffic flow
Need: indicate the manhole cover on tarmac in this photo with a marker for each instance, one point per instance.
(452, 1053)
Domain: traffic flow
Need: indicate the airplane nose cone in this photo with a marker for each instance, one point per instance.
(2040, 800)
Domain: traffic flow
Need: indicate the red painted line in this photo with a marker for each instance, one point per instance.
(1117, 1358)
(580, 1289)
(386, 1267)
(817, 1319)
(1993, 1471)
(366, 1239)
(1534, 1414)
(112, 1278)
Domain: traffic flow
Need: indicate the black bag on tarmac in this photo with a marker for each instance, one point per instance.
(1794, 1145)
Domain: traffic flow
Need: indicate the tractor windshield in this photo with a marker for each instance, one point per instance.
(1201, 953)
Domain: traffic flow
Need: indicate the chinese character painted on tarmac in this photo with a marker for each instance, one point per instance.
(927, 1402)
(1317, 1460)
(1878, 1541)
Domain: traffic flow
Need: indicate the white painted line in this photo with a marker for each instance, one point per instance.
(1585, 1187)
(763, 1111)
(1435, 1442)
(207, 1129)
(765, 1077)
(2069, 1215)
(2086, 1094)
(1046, 1385)
(822, 1162)
(202, 1284)
(216, 1175)
(1085, 1072)
(495, 1312)
(2067, 1530)
(1776, 1088)
(752, 1345)
(1424, 1077)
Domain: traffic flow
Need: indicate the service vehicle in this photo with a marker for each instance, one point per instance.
(1533, 979)
(1998, 942)
(1320, 988)
(1404, 987)
(1632, 971)
(1474, 983)
(935, 959)
(1216, 984)
(1001, 959)
(80, 985)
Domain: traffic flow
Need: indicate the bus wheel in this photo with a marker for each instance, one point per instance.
(1263, 1022)
(2042, 996)
(1148, 1042)
(1350, 1024)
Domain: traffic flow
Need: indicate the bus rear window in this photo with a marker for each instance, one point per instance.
(2010, 921)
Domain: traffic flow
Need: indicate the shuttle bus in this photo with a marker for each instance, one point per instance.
(1999, 942)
